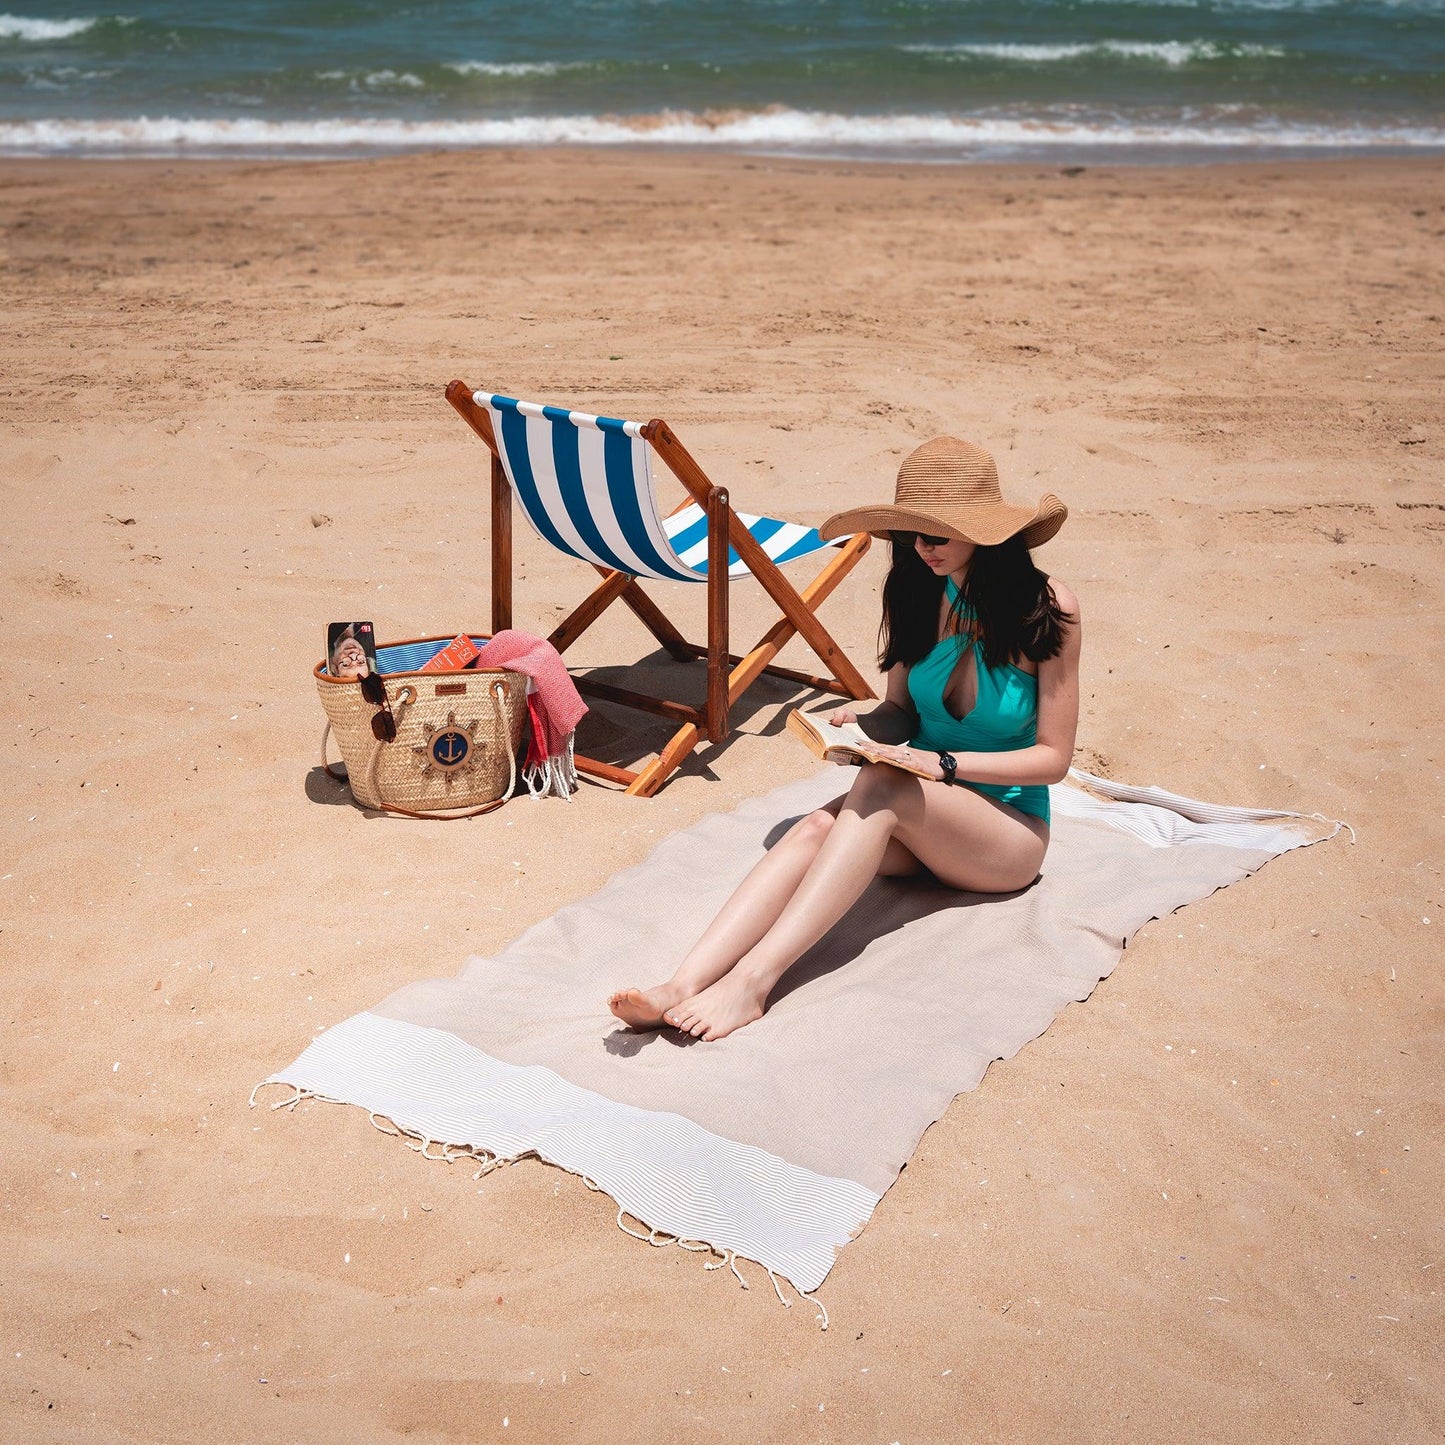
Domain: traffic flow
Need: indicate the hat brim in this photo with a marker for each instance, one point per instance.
(986, 526)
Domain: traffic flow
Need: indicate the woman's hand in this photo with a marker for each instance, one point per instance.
(887, 721)
(915, 759)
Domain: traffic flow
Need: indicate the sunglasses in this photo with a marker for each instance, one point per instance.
(383, 723)
(911, 539)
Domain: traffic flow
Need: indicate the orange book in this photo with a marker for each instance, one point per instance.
(461, 652)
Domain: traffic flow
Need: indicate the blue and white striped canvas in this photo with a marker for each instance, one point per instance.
(412, 656)
(783, 542)
(585, 484)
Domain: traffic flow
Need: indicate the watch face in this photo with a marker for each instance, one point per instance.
(948, 761)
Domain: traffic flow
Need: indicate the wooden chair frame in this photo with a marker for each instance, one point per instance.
(728, 674)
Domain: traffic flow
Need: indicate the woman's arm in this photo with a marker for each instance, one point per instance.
(1048, 760)
(893, 720)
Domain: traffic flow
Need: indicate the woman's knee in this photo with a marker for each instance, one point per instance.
(812, 830)
(880, 786)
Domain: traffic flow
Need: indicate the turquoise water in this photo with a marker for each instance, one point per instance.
(901, 78)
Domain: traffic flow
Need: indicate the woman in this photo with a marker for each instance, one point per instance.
(981, 654)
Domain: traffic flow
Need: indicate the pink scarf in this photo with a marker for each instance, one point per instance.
(553, 705)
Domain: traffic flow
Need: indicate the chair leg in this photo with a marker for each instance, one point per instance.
(571, 627)
(718, 698)
(667, 762)
(655, 621)
(781, 632)
(797, 607)
(615, 585)
(501, 547)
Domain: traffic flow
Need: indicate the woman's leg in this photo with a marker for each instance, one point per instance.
(967, 841)
(743, 920)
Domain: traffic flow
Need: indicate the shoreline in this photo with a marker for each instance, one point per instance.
(1132, 157)
(1187, 138)
(669, 157)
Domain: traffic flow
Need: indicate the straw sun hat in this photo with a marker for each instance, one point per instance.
(950, 488)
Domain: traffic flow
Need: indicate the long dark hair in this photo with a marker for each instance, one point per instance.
(1013, 609)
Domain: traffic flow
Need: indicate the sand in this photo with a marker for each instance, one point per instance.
(1205, 1205)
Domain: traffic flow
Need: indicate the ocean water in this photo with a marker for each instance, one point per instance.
(931, 79)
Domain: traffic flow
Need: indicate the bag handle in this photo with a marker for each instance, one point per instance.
(329, 770)
(404, 699)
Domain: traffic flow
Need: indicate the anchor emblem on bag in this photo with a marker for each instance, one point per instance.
(449, 749)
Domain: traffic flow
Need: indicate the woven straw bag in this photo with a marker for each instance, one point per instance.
(457, 736)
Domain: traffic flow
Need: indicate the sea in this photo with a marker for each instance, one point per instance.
(902, 80)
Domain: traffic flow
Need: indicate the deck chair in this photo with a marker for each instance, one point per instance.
(585, 484)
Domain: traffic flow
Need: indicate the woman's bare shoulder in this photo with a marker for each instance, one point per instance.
(1064, 596)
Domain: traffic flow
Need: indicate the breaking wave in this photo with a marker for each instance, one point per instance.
(774, 128)
(1173, 53)
(24, 27)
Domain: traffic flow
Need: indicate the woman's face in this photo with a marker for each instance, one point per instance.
(349, 659)
(943, 558)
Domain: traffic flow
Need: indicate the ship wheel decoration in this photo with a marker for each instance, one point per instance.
(450, 747)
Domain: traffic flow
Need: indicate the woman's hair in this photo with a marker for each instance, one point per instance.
(1015, 613)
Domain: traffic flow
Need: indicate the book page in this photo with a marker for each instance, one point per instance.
(848, 736)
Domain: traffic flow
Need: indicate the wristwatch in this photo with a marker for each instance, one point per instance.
(949, 764)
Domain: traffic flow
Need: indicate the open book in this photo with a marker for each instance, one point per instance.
(844, 745)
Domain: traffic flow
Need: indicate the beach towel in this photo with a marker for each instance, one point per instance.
(776, 1143)
(554, 706)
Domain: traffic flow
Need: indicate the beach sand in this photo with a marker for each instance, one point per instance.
(1204, 1205)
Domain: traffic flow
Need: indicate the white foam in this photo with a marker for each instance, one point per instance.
(514, 67)
(389, 79)
(61, 77)
(1172, 53)
(375, 79)
(23, 27)
(774, 128)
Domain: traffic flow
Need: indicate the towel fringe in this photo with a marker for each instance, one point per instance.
(1128, 793)
(1338, 825)
(557, 775)
(450, 1153)
(295, 1099)
(725, 1259)
(787, 1304)
(290, 1103)
(814, 1300)
(626, 1230)
(733, 1265)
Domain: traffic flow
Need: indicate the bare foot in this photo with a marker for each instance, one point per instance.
(640, 1009)
(718, 1010)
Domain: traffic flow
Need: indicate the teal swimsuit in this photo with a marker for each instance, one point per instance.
(1005, 715)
